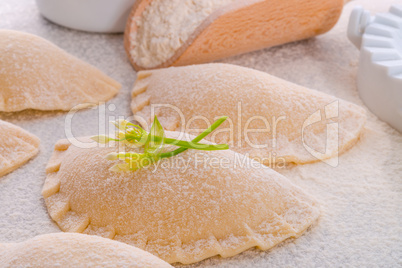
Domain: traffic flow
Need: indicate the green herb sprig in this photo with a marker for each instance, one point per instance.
(153, 144)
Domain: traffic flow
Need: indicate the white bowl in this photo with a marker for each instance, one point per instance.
(107, 16)
(379, 78)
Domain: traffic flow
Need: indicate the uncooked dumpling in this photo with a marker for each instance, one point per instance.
(35, 74)
(17, 146)
(187, 208)
(288, 123)
(75, 250)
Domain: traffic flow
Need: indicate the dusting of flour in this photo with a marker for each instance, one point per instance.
(165, 25)
(360, 224)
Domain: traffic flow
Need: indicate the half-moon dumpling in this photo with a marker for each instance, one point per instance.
(75, 250)
(184, 209)
(17, 146)
(36, 74)
(271, 120)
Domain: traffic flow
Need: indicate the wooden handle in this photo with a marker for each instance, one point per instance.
(246, 26)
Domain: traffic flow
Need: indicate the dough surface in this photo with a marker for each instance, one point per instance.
(192, 206)
(284, 118)
(75, 250)
(17, 146)
(36, 74)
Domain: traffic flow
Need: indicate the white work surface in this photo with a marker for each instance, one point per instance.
(361, 221)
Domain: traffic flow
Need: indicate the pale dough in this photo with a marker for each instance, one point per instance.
(188, 209)
(36, 74)
(75, 250)
(280, 110)
(17, 146)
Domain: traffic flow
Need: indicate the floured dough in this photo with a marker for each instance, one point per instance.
(17, 146)
(35, 74)
(284, 118)
(75, 250)
(191, 207)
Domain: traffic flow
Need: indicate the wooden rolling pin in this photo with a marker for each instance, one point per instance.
(240, 27)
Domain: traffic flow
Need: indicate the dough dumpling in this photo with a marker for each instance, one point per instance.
(36, 74)
(186, 209)
(75, 250)
(17, 146)
(284, 118)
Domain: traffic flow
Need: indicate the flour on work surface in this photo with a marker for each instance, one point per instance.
(361, 219)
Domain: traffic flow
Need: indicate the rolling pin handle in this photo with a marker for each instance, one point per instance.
(359, 20)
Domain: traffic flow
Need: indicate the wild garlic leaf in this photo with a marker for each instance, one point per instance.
(196, 145)
(102, 139)
(155, 141)
(205, 133)
(120, 124)
(120, 167)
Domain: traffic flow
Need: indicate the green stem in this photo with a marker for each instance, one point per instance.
(195, 145)
(216, 124)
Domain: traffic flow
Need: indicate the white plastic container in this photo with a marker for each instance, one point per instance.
(106, 16)
(379, 77)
